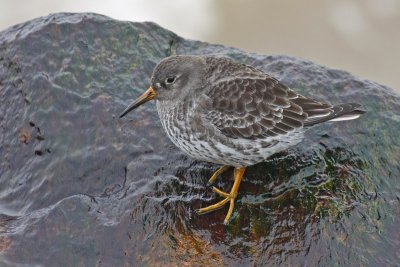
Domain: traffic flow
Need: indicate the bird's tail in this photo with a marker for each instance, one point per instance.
(342, 112)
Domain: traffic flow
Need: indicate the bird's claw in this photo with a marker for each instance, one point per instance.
(228, 197)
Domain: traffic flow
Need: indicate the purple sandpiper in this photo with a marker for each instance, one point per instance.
(232, 114)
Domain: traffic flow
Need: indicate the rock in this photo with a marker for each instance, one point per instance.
(81, 187)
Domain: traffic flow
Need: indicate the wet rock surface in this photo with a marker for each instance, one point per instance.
(80, 187)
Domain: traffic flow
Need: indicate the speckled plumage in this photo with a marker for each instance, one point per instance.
(233, 114)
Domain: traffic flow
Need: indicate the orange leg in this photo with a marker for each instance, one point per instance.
(228, 197)
(217, 173)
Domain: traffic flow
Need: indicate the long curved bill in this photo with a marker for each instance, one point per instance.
(148, 95)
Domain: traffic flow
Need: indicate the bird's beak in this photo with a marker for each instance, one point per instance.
(148, 95)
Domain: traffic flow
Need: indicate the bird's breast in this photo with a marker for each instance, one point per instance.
(185, 129)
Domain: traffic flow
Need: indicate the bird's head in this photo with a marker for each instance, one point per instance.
(173, 79)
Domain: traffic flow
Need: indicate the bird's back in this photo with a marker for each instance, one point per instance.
(242, 115)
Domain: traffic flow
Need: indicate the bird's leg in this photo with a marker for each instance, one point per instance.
(217, 173)
(227, 197)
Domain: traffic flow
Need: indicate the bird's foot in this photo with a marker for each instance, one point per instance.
(217, 173)
(228, 197)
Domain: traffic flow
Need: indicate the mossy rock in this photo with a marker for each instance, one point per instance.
(80, 187)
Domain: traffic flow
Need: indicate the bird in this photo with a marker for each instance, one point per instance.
(232, 114)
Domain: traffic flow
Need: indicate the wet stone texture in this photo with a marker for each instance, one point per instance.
(80, 187)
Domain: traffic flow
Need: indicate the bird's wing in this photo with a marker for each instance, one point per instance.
(257, 108)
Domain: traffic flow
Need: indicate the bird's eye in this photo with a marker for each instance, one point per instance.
(170, 80)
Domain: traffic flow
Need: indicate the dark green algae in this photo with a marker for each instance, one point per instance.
(79, 187)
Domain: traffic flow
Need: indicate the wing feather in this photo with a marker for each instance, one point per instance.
(255, 108)
(257, 105)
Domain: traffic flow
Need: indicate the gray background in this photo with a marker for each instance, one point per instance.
(361, 36)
